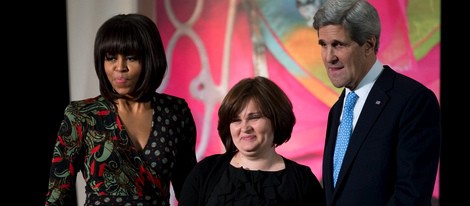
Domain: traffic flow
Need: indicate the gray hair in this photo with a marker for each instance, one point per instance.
(358, 17)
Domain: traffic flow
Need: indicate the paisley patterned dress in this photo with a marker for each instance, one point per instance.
(93, 140)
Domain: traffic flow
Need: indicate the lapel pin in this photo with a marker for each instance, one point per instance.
(377, 102)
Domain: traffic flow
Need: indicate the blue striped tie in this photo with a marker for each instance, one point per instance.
(344, 132)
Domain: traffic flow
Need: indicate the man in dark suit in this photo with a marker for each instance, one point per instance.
(392, 154)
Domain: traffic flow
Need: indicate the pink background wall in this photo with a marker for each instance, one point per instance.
(212, 44)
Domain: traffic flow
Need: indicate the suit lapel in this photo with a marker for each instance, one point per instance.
(332, 131)
(373, 106)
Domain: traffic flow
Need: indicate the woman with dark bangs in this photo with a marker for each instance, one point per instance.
(129, 142)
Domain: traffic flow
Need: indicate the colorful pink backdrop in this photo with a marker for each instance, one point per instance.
(212, 44)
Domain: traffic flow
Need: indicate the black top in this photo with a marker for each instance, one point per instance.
(215, 182)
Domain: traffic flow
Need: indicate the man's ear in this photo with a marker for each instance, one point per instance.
(370, 44)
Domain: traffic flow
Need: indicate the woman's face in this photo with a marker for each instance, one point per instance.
(252, 133)
(122, 71)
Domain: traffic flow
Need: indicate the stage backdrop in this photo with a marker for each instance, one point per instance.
(212, 44)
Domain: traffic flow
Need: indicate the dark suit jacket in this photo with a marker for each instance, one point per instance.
(393, 153)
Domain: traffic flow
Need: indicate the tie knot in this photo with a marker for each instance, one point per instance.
(350, 100)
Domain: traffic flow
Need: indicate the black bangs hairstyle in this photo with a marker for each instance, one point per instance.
(131, 34)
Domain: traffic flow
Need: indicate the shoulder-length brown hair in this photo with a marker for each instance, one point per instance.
(273, 103)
